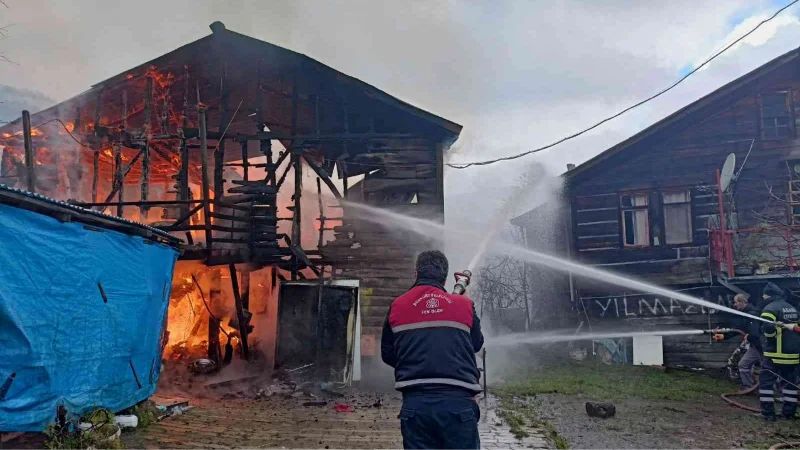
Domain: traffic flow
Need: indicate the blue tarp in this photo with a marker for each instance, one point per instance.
(82, 311)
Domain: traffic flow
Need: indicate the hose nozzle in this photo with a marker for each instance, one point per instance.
(462, 281)
(789, 326)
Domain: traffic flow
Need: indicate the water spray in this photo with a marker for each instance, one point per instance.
(426, 228)
(462, 281)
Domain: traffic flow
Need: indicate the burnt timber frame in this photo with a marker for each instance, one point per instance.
(328, 122)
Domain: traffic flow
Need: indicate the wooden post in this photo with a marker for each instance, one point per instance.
(145, 180)
(272, 168)
(204, 165)
(214, 297)
(298, 183)
(321, 214)
(219, 153)
(96, 155)
(183, 177)
(119, 179)
(245, 163)
(30, 157)
(240, 315)
(118, 158)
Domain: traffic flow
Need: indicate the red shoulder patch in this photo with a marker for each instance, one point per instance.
(429, 304)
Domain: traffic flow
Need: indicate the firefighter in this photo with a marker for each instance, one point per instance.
(781, 354)
(430, 338)
(749, 353)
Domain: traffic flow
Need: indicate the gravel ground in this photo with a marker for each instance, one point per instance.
(662, 424)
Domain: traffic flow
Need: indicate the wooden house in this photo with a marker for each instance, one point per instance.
(651, 207)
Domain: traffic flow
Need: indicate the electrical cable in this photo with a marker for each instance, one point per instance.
(636, 105)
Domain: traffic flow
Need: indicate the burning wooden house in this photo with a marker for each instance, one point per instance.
(705, 201)
(246, 151)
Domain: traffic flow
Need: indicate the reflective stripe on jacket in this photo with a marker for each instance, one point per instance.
(780, 346)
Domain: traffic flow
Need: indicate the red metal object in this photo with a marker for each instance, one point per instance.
(725, 235)
(341, 407)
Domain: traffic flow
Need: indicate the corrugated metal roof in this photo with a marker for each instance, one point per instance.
(80, 210)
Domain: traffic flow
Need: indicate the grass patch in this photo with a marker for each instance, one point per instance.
(612, 382)
(515, 421)
(519, 415)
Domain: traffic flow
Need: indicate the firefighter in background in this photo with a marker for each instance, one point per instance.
(781, 354)
(430, 338)
(749, 353)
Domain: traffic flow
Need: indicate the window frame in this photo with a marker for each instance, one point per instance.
(623, 209)
(789, 106)
(664, 206)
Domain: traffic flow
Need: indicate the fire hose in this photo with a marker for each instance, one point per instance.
(726, 396)
(462, 281)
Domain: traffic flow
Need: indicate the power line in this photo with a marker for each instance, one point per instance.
(636, 105)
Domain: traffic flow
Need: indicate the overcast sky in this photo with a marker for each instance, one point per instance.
(517, 75)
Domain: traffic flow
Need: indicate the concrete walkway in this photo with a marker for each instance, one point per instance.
(284, 422)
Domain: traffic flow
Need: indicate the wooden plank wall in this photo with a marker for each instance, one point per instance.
(636, 312)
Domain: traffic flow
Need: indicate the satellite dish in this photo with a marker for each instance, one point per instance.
(727, 172)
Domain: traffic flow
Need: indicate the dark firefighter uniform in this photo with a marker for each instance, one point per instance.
(430, 337)
(781, 354)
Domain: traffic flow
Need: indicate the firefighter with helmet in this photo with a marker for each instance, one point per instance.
(781, 354)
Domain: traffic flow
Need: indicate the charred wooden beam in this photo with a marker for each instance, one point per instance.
(139, 203)
(96, 156)
(215, 296)
(225, 229)
(321, 173)
(283, 177)
(145, 180)
(119, 181)
(242, 320)
(116, 188)
(118, 158)
(204, 165)
(30, 156)
(95, 173)
(321, 214)
(298, 180)
(183, 174)
(245, 162)
(311, 138)
(266, 149)
(185, 218)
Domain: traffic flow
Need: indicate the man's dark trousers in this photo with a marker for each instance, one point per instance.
(439, 420)
(771, 374)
